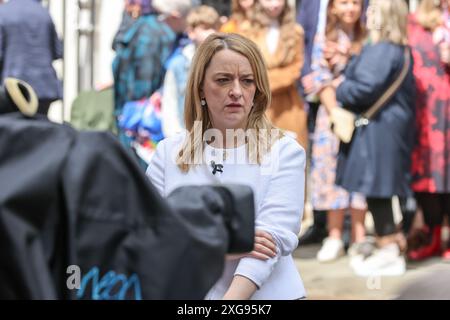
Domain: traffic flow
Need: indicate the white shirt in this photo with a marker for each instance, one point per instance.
(273, 36)
(278, 185)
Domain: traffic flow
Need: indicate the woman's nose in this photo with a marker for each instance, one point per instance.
(236, 90)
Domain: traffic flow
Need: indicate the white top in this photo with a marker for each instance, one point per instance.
(279, 187)
(273, 36)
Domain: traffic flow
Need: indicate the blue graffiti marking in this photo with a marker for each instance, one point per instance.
(111, 286)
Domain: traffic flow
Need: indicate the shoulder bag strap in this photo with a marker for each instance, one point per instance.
(391, 90)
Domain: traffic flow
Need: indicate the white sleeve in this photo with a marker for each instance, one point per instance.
(281, 210)
(170, 115)
(155, 170)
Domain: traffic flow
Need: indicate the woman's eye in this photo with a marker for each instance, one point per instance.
(222, 80)
(248, 81)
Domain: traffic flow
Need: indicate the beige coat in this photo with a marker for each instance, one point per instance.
(284, 66)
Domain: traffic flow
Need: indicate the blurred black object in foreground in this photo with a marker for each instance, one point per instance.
(75, 201)
(17, 95)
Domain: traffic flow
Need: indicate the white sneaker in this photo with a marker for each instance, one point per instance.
(331, 250)
(365, 248)
(385, 261)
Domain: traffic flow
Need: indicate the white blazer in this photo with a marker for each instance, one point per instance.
(278, 185)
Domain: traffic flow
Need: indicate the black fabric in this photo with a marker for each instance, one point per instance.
(44, 106)
(71, 198)
(383, 216)
(6, 104)
(377, 162)
(434, 206)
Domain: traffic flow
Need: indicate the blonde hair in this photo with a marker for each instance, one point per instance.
(392, 18)
(238, 14)
(429, 14)
(194, 113)
(205, 16)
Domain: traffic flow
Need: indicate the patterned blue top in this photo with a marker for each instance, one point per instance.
(138, 67)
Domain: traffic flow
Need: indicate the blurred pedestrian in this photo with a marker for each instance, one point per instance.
(229, 140)
(28, 46)
(342, 38)
(138, 67)
(377, 162)
(201, 22)
(312, 16)
(431, 157)
(240, 19)
(280, 39)
(174, 13)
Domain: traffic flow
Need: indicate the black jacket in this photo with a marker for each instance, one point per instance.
(71, 198)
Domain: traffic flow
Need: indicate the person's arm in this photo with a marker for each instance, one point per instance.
(281, 211)
(285, 76)
(241, 288)
(328, 98)
(372, 73)
(264, 247)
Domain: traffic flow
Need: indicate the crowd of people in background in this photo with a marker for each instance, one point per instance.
(330, 54)
(322, 57)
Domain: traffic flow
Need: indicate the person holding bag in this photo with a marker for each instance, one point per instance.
(377, 160)
(342, 35)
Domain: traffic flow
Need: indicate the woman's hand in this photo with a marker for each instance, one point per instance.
(264, 248)
(337, 82)
(308, 83)
(335, 54)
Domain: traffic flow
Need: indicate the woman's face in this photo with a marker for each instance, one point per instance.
(246, 4)
(273, 8)
(347, 11)
(229, 89)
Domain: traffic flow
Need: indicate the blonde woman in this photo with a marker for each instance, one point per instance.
(240, 20)
(281, 41)
(378, 160)
(229, 140)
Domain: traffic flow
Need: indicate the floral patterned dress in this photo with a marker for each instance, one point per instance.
(431, 156)
(326, 195)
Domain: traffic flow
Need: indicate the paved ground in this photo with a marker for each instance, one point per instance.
(337, 281)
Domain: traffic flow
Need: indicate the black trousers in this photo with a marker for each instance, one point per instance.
(383, 216)
(434, 206)
(44, 105)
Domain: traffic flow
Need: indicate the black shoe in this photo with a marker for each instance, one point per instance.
(313, 235)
